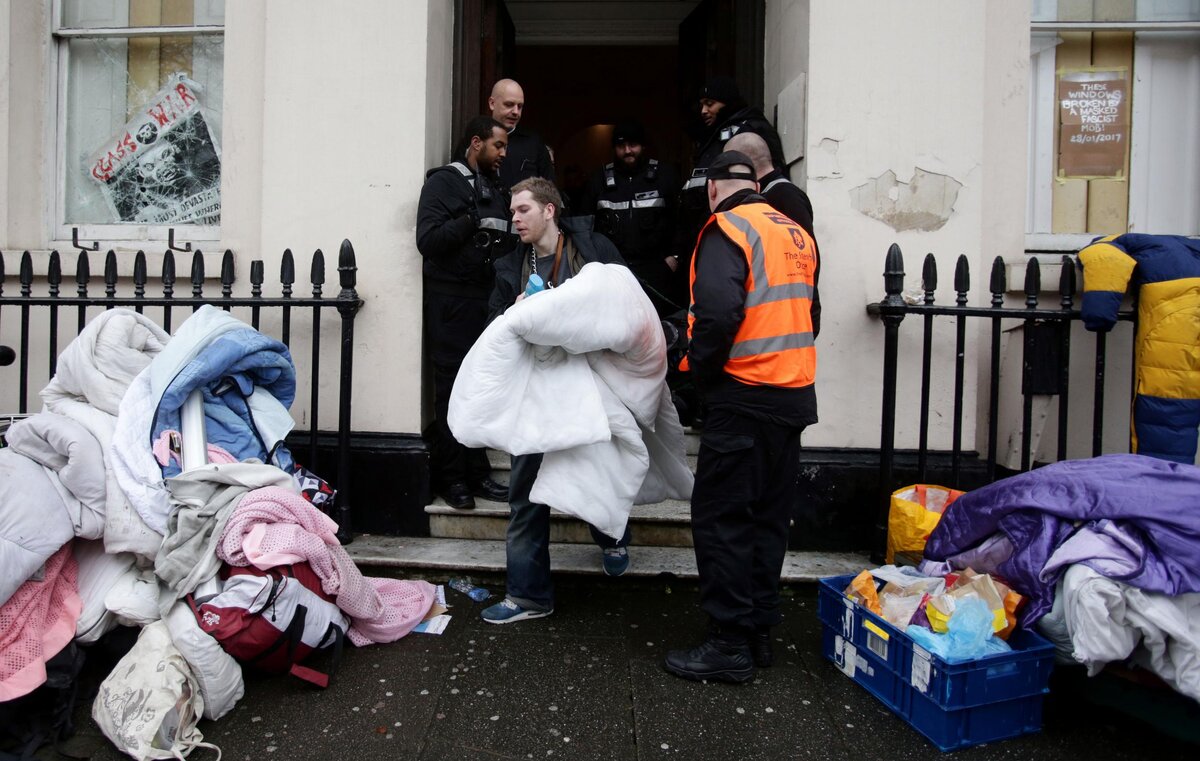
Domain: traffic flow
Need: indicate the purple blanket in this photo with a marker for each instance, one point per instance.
(1145, 511)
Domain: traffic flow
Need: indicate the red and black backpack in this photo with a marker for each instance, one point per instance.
(273, 619)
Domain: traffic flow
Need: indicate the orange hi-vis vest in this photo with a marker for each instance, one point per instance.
(774, 344)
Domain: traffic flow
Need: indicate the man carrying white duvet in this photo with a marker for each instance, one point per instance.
(554, 252)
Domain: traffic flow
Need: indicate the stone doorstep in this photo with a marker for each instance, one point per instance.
(664, 524)
(422, 554)
(502, 461)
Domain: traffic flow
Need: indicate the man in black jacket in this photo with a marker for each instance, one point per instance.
(752, 356)
(725, 114)
(554, 250)
(527, 154)
(633, 200)
(462, 227)
(785, 197)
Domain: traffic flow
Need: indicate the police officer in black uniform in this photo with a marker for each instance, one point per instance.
(463, 225)
(725, 113)
(634, 199)
(527, 155)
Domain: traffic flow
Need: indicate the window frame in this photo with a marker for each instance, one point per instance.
(1041, 126)
(113, 234)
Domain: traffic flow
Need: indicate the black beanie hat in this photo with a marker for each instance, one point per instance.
(628, 131)
(721, 89)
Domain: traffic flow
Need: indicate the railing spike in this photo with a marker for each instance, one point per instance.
(256, 277)
(25, 274)
(110, 273)
(317, 272)
(347, 270)
(962, 279)
(1033, 282)
(197, 271)
(168, 273)
(999, 281)
(1066, 282)
(287, 272)
(139, 274)
(893, 275)
(929, 277)
(1, 273)
(227, 274)
(54, 272)
(83, 273)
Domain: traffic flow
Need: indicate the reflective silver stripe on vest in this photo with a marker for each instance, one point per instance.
(694, 182)
(648, 203)
(764, 292)
(773, 183)
(465, 171)
(756, 346)
(494, 223)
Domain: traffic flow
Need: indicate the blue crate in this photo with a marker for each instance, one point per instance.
(953, 704)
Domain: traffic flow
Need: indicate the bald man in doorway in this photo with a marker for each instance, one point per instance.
(784, 197)
(527, 155)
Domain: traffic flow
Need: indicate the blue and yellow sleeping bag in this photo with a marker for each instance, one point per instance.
(1166, 270)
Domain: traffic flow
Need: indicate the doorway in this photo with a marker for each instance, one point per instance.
(586, 66)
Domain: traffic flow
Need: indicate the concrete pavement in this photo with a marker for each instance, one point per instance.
(587, 683)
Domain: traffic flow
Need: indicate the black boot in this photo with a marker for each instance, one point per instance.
(724, 657)
(458, 496)
(760, 647)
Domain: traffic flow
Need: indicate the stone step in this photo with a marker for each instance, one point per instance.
(502, 461)
(431, 556)
(665, 524)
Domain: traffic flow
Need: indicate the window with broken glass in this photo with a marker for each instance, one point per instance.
(1114, 108)
(139, 117)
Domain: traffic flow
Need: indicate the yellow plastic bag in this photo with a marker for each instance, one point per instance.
(914, 513)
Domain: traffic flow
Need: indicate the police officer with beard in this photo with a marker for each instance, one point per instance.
(633, 199)
(463, 226)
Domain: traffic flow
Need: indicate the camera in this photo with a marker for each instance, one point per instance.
(485, 240)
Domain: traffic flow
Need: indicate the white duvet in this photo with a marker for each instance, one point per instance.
(93, 374)
(577, 373)
(1111, 621)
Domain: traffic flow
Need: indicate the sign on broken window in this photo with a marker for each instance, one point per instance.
(1093, 138)
(163, 168)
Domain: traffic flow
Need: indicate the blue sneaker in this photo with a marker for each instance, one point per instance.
(616, 561)
(508, 612)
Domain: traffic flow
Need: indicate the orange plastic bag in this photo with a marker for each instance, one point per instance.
(862, 591)
(914, 513)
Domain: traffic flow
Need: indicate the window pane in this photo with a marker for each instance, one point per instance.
(143, 130)
(1115, 10)
(97, 14)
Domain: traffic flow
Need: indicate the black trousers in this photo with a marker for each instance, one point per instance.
(452, 323)
(745, 489)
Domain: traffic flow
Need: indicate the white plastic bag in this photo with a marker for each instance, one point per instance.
(150, 704)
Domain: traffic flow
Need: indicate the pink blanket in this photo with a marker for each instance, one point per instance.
(36, 623)
(273, 526)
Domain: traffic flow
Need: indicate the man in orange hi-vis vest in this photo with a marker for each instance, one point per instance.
(752, 357)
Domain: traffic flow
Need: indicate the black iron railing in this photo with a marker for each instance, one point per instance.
(347, 304)
(1046, 329)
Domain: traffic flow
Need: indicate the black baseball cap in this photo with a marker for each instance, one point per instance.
(723, 167)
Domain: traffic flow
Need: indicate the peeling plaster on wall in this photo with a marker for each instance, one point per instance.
(924, 203)
(823, 163)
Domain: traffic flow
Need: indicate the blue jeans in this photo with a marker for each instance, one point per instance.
(528, 541)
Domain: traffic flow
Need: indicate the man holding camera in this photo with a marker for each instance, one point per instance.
(462, 228)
